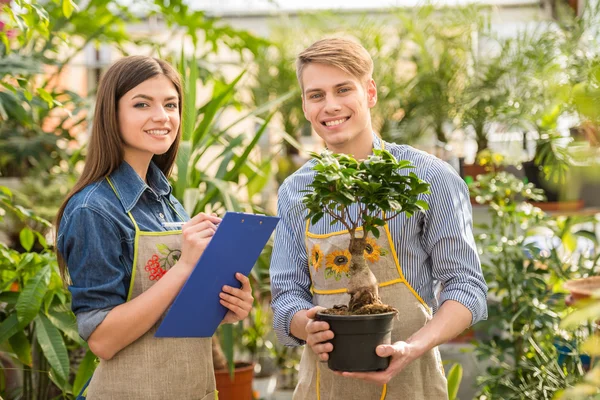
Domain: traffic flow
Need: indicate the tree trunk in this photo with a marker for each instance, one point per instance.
(362, 286)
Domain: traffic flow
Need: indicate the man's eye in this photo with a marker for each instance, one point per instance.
(344, 90)
(315, 96)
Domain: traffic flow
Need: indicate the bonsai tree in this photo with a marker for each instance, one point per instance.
(383, 189)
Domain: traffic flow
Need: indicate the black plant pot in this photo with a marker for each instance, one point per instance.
(355, 339)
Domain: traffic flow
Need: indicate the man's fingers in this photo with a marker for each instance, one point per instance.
(313, 312)
(316, 326)
(319, 337)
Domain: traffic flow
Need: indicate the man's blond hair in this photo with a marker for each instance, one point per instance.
(345, 54)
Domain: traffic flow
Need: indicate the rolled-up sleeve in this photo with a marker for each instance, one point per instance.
(98, 274)
(290, 278)
(448, 239)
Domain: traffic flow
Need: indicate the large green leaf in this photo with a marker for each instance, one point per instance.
(84, 372)
(227, 341)
(53, 346)
(65, 320)
(21, 346)
(30, 300)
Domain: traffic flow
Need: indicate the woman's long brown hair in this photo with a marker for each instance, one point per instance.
(105, 148)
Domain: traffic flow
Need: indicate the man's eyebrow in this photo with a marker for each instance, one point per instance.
(146, 97)
(310, 90)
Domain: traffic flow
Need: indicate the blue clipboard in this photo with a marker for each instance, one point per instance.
(235, 247)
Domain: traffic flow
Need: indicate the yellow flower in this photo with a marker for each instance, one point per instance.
(316, 257)
(339, 261)
(372, 251)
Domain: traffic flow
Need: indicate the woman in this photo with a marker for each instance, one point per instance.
(125, 266)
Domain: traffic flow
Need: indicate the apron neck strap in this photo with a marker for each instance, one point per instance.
(137, 229)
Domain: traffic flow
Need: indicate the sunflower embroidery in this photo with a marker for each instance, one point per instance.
(337, 263)
(159, 264)
(373, 251)
(316, 257)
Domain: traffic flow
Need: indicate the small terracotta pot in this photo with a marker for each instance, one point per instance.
(240, 388)
(583, 288)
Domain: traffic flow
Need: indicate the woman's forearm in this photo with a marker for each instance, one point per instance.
(128, 321)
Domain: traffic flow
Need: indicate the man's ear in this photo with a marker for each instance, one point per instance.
(303, 106)
(371, 93)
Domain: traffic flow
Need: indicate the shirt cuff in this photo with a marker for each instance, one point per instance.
(284, 335)
(88, 321)
(475, 300)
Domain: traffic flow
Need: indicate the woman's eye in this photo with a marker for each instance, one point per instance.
(172, 105)
(141, 105)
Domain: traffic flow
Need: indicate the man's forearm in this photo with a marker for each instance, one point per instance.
(298, 325)
(448, 322)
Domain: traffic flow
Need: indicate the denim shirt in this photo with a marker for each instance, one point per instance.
(96, 238)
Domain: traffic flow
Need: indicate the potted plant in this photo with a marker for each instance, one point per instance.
(384, 189)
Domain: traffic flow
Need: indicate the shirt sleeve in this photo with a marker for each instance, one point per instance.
(448, 239)
(290, 278)
(90, 244)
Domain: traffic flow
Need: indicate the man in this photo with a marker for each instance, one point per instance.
(431, 248)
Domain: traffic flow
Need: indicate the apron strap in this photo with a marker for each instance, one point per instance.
(137, 229)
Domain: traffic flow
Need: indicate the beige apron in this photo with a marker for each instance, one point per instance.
(155, 368)
(328, 263)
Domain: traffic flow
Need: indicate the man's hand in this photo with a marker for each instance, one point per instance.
(402, 354)
(317, 333)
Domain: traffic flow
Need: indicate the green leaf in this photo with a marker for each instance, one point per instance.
(30, 300)
(22, 348)
(227, 342)
(9, 327)
(67, 8)
(423, 204)
(47, 97)
(53, 346)
(65, 320)
(84, 372)
(27, 238)
(454, 379)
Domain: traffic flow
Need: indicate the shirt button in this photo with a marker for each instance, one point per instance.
(161, 215)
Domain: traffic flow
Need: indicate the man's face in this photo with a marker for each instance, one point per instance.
(337, 105)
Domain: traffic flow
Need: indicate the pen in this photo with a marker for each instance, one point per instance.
(174, 224)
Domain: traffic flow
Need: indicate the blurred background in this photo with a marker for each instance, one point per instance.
(505, 91)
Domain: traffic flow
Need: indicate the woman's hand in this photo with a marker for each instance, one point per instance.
(238, 301)
(197, 233)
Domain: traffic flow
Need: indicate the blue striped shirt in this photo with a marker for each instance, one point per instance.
(436, 249)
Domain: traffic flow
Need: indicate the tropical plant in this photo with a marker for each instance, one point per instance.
(522, 335)
(37, 328)
(382, 187)
(436, 43)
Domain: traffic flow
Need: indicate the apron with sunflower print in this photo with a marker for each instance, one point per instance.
(329, 261)
(155, 368)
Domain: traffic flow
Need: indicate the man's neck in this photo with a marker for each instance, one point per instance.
(360, 148)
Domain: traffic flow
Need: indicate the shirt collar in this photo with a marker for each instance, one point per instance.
(377, 142)
(130, 186)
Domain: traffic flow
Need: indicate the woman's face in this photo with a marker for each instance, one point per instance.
(148, 119)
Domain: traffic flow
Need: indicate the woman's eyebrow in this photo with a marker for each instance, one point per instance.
(150, 98)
